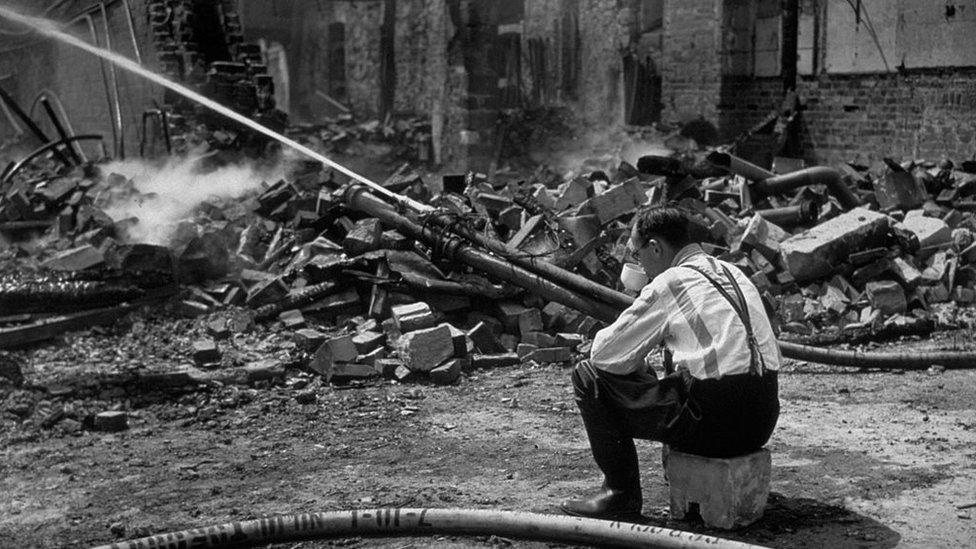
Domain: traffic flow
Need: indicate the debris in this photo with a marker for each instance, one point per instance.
(111, 422)
(423, 350)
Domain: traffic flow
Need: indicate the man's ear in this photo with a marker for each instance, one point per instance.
(654, 246)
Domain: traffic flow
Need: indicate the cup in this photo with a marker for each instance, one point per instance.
(633, 277)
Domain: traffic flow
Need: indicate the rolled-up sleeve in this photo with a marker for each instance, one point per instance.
(621, 347)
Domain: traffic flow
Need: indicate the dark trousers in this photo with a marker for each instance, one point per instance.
(725, 417)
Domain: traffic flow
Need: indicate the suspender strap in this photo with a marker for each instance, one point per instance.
(757, 364)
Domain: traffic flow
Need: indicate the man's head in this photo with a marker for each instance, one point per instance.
(657, 236)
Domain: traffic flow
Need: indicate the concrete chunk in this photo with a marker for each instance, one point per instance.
(930, 231)
(368, 341)
(413, 316)
(111, 422)
(424, 350)
(333, 351)
(818, 251)
(886, 296)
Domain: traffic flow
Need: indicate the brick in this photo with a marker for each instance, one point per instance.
(568, 340)
(387, 367)
(218, 328)
(371, 357)
(510, 313)
(617, 201)
(76, 259)
(364, 237)
(905, 272)
(308, 338)
(931, 231)
(573, 193)
(393, 240)
(111, 422)
(498, 360)
(424, 350)
(293, 319)
(335, 350)
(368, 341)
(205, 351)
(345, 371)
(525, 349)
(265, 292)
(530, 320)
(484, 339)
(460, 339)
(818, 251)
(447, 373)
(763, 236)
(539, 339)
(551, 354)
(886, 296)
(412, 317)
(509, 341)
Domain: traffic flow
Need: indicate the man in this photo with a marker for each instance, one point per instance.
(719, 400)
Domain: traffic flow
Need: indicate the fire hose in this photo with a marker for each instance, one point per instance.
(394, 522)
(586, 296)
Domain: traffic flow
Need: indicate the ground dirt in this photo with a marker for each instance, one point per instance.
(860, 458)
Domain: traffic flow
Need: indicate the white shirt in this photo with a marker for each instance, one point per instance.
(682, 310)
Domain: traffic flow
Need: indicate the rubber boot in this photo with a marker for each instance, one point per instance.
(619, 498)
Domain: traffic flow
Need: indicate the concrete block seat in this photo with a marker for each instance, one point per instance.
(729, 492)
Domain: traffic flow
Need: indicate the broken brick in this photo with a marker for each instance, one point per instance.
(497, 360)
(886, 296)
(367, 342)
(111, 422)
(424, 350)
(484, 339)
(364, 237)
(447, 373)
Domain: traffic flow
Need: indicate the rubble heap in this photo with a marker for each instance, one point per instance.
(885, 254)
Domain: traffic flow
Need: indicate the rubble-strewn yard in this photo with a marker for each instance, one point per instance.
(198, 345)
(861, 458)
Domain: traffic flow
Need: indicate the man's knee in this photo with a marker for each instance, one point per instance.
(584, 380)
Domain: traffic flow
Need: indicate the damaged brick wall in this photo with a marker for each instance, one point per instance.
(691, 68)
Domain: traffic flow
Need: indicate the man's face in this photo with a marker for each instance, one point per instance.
(651, 255)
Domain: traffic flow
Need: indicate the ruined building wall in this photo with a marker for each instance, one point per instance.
(76, 76)
(362, 22)
(691, 69)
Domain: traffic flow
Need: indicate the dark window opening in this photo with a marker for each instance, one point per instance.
(642, 91)
(651, 15)
(337, 61)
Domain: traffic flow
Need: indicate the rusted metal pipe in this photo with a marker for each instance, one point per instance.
(453, 247)
(44, 149)
(114, 76)
(803, 213)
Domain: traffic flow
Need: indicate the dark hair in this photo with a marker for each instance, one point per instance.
(667, 223)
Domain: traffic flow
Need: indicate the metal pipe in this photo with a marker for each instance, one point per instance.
(455, 248)
(767, 183)
(818, 175)
(738, 166)
(48, 147)
(132, 31)
(56, 122)
(114, 76)
(108, 89)
(539, 266)
(803, 213)
(49, 94)
(9, 101)
(392, 522)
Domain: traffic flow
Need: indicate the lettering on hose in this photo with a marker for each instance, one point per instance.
(355, 518)
(423, 513)
(396, 517)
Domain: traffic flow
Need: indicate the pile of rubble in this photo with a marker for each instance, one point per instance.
(361, 300)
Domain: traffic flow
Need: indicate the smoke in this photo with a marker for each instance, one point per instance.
(163, 195)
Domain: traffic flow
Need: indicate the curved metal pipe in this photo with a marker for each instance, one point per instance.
(48, 94)
(818, 175)
(803, 213)
(132, 31)
(49, 147)
(735, 165)
(58, 127)
(393, 522)
(29, 122)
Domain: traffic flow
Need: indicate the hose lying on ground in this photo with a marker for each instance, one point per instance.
(393, 522)
(904, 360)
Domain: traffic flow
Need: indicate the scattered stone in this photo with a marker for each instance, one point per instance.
(368, 341)
(448, 373)
(552, 354)
(293, 319)
(484, 339)
(364, 237)
(111, 422)
(424, 350)
(818, 251)
(205, 351)
(886, 296)
(498, 360)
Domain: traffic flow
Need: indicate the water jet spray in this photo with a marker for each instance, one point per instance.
(48, 28)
